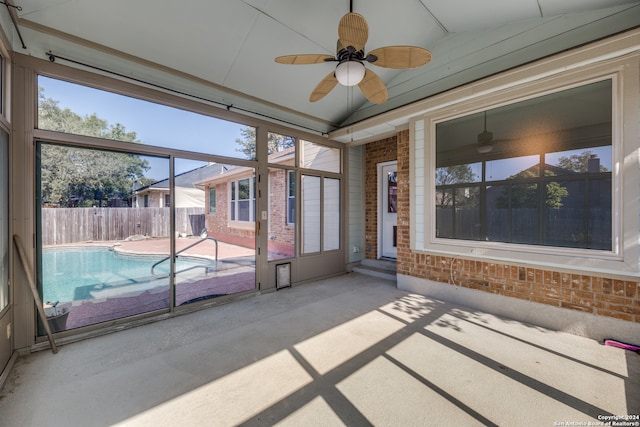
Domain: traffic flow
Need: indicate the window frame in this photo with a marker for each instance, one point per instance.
(624, 254)
(291, 213)
(234, 209)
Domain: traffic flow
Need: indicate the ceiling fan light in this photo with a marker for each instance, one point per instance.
(484, 149)
(350, 73)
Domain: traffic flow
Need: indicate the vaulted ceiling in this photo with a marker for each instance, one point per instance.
(226, 49)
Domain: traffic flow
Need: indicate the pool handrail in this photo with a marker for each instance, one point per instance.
(184, 249)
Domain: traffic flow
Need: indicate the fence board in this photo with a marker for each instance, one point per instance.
(72, 225)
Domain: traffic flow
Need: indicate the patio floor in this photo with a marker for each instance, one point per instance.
(351, 350)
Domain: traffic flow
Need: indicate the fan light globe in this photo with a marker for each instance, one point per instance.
(350, 73)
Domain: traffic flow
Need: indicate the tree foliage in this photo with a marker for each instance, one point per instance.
(456, 174)
(525, 195)
(275, 143)
(578, 163)
(82, 177)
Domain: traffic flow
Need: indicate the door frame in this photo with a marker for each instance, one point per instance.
(380, 209)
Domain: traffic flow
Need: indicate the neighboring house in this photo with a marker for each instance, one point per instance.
(230, 200)
(189, 197)
(187, 194)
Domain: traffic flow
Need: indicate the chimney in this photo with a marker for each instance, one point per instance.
(593, 164)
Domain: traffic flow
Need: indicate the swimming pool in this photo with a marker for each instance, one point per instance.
(73, 273)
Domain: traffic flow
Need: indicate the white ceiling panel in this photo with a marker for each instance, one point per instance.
(471, 15)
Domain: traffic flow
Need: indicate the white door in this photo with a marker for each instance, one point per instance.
(388, 179)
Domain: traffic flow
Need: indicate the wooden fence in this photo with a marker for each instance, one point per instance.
(72, 225)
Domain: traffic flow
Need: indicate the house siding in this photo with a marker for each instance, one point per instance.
(588, 293)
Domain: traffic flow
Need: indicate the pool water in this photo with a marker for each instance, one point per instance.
(68, 274)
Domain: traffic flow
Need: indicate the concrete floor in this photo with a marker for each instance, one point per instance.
(351, 350)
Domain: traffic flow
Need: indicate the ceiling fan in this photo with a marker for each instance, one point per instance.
(353, 32)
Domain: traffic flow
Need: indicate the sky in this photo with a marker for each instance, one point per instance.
(154, 124)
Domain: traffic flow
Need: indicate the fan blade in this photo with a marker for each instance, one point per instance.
(324, 87)
(373, 88)
(353, 30)
(304, 59)
(400, 56)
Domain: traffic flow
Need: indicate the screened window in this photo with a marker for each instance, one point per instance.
(67, 107)
(536, 172)
(167, 200)
(319, 157)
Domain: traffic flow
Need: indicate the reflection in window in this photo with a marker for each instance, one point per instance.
(392, 196)
(546, 179)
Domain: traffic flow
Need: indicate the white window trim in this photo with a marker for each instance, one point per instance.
(624, 259)
(252, 201)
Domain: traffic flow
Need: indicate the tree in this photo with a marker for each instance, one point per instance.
(578, 162)
(525, 195)
(275, 143)
(73, 176)
(454, 175)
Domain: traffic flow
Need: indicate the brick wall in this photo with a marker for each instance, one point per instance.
(218, 225)
(583, 292)
(381, 151)
(281, 235)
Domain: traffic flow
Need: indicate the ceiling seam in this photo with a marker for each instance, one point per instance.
(540, 9)
(262, 12)
(442, 27)
(235, 58)
(51, 6)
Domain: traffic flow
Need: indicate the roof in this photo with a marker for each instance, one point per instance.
(190, 178)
